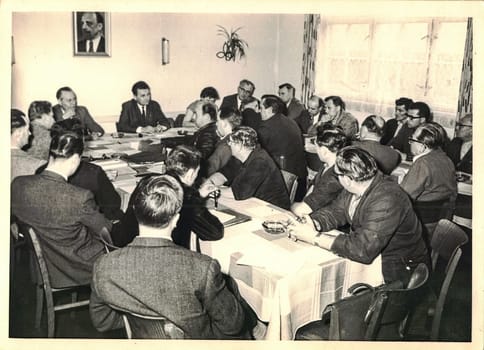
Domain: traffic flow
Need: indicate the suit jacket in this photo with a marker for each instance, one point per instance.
(258, 177)
(220, 156)
(93, 178)
(383, 223)
(389, 129)
(386, 157)
(205, 140)
(40, 144)
(83, 115)
(230, 101)
(82, 45)
(431, 178)
(155, 277)
(280, 136)
(21, 163)
(453, 151)
(131, 118)
(251, 118)
(326, 188)
(294, 109)
(305, 121)
(194, 217)
(400, 141)
(67, 222)
(345, 120)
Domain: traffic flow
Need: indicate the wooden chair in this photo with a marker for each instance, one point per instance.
(377, 315)
(147, 327)
(447, 240)
(291, 183)
(44, 288)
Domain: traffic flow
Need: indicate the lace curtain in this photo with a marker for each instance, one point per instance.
(370, 63)
(310, 41)
(464, 105)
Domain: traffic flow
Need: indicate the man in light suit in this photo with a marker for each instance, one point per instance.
(92, 24)
(245, 90)
(67, 108)
(64, 216)
(154, 277)
(142, 114)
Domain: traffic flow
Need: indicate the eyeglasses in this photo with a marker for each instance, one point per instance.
(245, 90)
(411, 140)
(413, 117)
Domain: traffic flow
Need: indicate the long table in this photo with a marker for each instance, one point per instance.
(288, 284)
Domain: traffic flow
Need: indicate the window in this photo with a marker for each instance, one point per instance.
(370, 63)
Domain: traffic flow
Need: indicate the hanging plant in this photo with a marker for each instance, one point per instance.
(233, 47)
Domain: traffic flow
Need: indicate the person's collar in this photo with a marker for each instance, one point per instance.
(153, 232)
(370, 137)
(55, 171)
(289, 102)
(427, 151)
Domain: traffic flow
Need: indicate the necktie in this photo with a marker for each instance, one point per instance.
(143, 114)
(90, 46)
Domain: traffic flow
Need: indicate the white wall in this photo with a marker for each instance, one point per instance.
(45, 61)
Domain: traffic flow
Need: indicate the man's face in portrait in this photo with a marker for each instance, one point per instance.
(90, 26)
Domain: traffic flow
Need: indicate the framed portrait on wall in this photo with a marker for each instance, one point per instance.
(92, 35)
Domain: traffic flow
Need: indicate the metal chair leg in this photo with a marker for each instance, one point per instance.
(39, 306)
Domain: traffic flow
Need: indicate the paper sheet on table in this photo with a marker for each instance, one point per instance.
(223, 217)
(271, 258)
(96, 143)
(111, 164)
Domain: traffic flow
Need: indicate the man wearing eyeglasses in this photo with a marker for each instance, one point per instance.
(245, 90)
(418, 113)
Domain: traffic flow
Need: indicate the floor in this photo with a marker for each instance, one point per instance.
(455, 327)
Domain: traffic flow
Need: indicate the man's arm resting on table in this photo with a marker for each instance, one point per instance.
(217, 179)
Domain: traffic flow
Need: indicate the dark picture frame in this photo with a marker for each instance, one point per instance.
(92, 33)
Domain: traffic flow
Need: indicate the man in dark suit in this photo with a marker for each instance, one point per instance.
(294, 108)
(67, 108)
(64, 216)
(281, 138)
(460, 148)
(154, 277)
(371, 130)
(142, 114)
(205, 138)
(245, 90)
(92, 24)
(393, 126)
(256, 174)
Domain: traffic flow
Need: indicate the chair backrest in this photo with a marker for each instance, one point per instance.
(291, 183)
(446, 240)
(392, 306)
(147, 327)
(44, 279)
(446, 244)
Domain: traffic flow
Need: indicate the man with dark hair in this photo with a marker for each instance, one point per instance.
(245, 90)
(205, 138)
(380, 214)
(371, 132)
(92, 25)
(21, 163)
(281, 138)
(64, 216)
(418, 113)
(257, 176)
(141, 114)
(393, 126)
(41, 120)
(336, 114)
(315, 112)
(154, 277)
(294, 108)
(228, 120)
(67, 108)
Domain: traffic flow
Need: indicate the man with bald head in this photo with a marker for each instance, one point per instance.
(92, 39)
